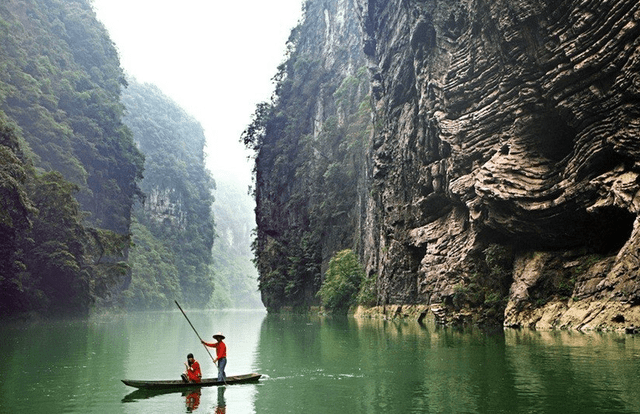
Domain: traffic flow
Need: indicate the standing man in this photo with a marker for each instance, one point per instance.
(221, 355)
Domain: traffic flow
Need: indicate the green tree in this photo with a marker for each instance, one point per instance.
(156, 282)
(15, 210)
(56, 247)
(342, 282)
(52, 262)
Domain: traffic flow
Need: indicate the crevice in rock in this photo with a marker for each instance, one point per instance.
(598, 163)
(416, 253)
(608, 229)
(555, 141)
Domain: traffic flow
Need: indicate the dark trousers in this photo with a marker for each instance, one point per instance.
(222, 363)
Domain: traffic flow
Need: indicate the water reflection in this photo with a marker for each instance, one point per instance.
(591, 369)
(221, 408)
(62, 365)
(144, 394)
(318, 364)
(193, 400)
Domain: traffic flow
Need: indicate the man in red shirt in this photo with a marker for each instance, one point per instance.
(221, 355)
(193, 372)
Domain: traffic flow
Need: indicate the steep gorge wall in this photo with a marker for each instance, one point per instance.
(310, 143)
(498, 175)
(70, 168)
(509, 124)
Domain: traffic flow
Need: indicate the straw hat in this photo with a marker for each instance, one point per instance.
(218, 335)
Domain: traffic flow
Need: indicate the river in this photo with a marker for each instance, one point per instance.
(314, 364)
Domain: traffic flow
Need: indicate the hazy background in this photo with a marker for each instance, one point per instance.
(215, 59)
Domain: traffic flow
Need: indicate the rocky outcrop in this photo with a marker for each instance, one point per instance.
(164, 205)
(513, 124)
(500, 180)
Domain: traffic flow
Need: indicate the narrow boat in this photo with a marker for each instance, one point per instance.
(179, 384)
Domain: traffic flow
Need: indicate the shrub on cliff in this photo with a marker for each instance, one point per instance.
(342, 282)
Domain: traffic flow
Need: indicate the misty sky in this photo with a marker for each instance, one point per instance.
(214, 58)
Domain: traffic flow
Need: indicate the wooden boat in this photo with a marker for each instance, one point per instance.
(179, 384)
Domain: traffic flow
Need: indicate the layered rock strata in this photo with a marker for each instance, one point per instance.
(514, 124)
(500, 182)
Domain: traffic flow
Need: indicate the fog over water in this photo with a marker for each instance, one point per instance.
(215, 59)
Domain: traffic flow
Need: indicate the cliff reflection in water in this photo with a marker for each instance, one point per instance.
(315, 364)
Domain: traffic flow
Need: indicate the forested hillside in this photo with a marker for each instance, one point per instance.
(174, 228)
(61, 82)
(69, 168)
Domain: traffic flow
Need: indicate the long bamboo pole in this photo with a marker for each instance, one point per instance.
(194, 330)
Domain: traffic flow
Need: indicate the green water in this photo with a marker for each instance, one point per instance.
(315, 365)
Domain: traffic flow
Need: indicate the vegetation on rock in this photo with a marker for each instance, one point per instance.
(342, 282)
(70, 169)
(175, 228)
(60, 84)
(51, 262)
(309, 142)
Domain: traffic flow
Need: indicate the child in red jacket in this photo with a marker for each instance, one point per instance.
(193, 372)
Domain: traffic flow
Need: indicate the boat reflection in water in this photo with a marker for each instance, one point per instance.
(143, 394)
(192, 397)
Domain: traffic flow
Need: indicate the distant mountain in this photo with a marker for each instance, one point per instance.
(174, 230)
(235, 274)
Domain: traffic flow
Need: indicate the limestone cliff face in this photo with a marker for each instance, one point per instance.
(310, 144)
(508, 127)
(164, 205)
(500, 180)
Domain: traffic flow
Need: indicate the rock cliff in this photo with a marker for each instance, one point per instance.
(500, 181)
(511, 124)
(310, 143)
